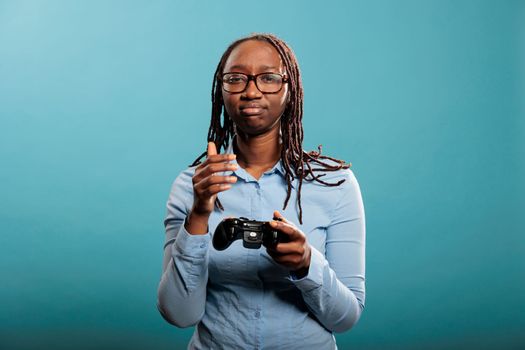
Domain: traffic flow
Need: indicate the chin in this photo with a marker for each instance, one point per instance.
(254, 125)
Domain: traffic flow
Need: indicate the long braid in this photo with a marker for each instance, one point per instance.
(297, 163)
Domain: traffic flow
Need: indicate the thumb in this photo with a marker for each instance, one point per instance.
(278, 215)
(212, 149)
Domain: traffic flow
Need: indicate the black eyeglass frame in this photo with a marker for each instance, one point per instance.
(254, 78)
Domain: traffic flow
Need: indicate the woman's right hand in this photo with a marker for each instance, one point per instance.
(206, 185)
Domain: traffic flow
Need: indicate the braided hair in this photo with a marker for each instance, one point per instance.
(296, 162)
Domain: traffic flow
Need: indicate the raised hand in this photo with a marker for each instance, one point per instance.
(206, 184)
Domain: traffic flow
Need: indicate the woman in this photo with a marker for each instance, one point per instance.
(296, 294)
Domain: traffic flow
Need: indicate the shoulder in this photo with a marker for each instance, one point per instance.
(341, 193)
(335, 188)
(344, 176)
(349, 187)
(337, 185)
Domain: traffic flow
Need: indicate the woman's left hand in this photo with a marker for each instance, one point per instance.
(295, 252)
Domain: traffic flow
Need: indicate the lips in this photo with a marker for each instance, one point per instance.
(251, 109)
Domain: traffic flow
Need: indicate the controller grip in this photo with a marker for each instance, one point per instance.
(222, 236)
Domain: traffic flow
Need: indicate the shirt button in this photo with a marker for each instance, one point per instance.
(257, 314)
(203, 245)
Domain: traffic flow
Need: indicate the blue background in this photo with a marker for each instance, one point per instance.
(103, 103)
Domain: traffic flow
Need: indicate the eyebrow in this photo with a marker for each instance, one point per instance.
(241, 66)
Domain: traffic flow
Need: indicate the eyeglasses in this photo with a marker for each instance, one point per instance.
(267, 83)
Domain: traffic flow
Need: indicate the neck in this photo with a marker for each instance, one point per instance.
(260, 152)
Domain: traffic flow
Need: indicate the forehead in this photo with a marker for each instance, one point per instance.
(253, 55)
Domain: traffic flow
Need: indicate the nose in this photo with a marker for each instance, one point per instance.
(251, 90)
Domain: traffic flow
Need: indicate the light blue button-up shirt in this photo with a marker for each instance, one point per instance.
(240, 298)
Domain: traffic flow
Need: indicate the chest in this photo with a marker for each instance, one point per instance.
(258, 201)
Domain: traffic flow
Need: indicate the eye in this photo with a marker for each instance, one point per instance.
(270, 78)
(234, 78)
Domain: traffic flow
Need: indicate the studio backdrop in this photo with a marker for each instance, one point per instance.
(103, 103)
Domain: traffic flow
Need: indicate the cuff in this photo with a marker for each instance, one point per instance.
(191, 245)
(314, 278)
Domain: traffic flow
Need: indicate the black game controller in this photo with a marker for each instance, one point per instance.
(253, 233)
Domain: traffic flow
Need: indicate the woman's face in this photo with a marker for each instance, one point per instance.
(252, 111)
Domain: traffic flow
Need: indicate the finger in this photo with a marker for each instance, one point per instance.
(220, 159)
(214, 189)
(215, 180)
(288, 229)
(274, 254)
(217, 158)
(211, 169)
(212, 156)
(212, 149)
(219, 167)
(286, 248)
(278, 215)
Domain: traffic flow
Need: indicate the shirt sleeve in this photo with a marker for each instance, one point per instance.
(181, 293)
(334, 288)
